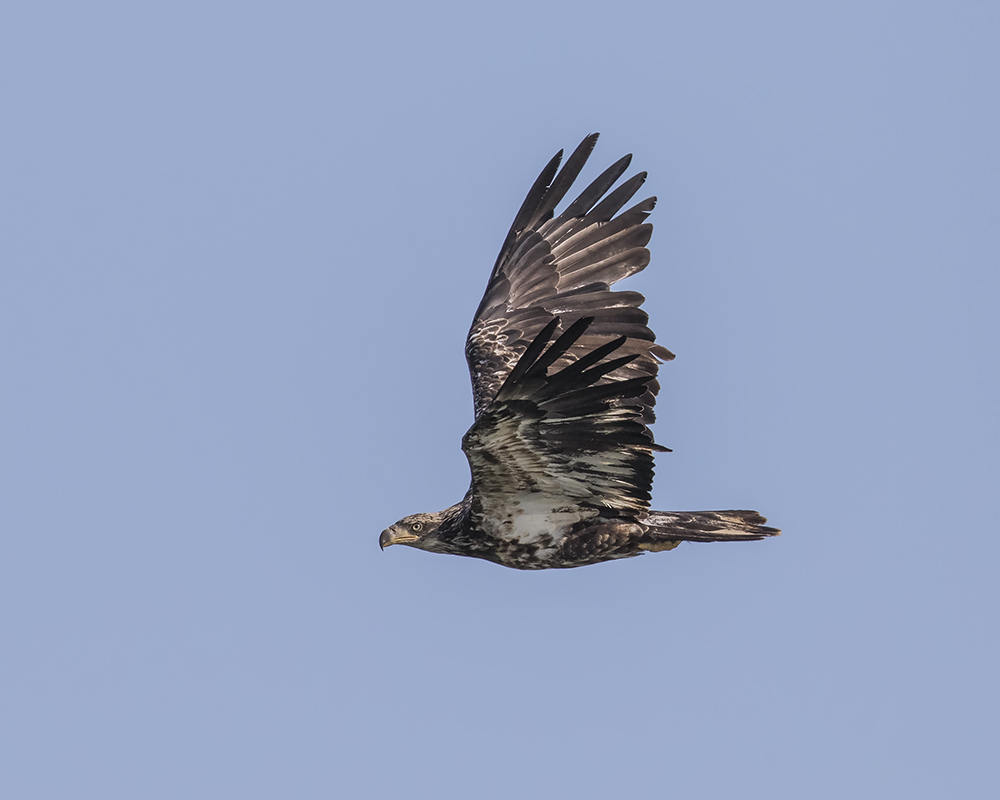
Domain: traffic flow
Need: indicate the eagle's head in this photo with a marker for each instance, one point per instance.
(434, 532)
(416, 530)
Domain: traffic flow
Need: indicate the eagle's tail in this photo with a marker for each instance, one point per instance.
(667, 529)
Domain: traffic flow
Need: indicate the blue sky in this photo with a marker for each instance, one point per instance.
(241, 247)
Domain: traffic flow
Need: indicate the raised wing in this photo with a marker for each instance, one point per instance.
(564, 267)
(553, 449)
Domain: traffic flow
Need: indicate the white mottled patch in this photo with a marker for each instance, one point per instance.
(531, 520)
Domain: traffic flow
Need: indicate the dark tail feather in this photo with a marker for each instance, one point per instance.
(668, 527)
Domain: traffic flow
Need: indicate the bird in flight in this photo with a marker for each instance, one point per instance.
(564, 383)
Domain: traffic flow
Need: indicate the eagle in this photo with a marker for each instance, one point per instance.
(564, 380)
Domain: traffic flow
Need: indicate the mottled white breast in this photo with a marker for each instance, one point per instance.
(530, 518)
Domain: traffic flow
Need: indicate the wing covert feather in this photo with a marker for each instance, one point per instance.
(559, 439)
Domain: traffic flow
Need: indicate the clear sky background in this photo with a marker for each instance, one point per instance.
(241, 247)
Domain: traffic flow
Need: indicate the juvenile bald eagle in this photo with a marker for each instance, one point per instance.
(564, 383)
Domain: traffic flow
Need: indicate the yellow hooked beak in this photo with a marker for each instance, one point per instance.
(392, 535)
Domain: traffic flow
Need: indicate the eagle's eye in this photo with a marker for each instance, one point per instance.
(417, 527)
